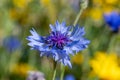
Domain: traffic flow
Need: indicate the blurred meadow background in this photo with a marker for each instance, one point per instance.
(101, 19)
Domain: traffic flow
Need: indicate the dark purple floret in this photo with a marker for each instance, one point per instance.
(58, 40)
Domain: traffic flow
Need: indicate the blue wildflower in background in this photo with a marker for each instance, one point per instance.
(11, 43)
(113, 20)
(62, 41)
(69, 77)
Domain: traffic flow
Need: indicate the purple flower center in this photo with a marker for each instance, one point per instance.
(57, 39)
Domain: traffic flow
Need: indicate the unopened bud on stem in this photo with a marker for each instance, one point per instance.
(83, 4)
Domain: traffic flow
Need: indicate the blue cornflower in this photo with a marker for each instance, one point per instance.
(69, 77)
(113, 20)
(62, 41)
(11, 43)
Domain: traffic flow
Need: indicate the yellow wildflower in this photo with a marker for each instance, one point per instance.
(20, 15)
(97, 2)
(106, 66)
(96, 14)
(111, 1)
(108, 8)
(21, 3)
(20, 69)
(13, 13)
(77, 59)
(48, 4)
(45, 2)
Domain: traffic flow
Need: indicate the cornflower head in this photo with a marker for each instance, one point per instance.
(113, 20)
(60, 43)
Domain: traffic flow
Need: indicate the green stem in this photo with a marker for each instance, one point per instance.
(55, 68)
(83, 5)
(78, 16)
(63, 70)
